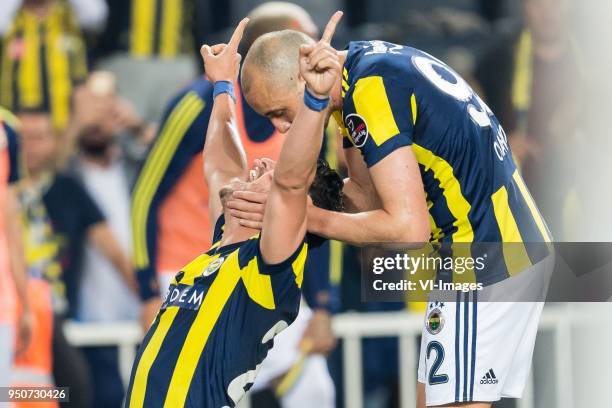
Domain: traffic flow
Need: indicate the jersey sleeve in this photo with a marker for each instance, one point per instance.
(379, 111)
(272, 286)
(181, 137)
(250, 256)
(317, 285)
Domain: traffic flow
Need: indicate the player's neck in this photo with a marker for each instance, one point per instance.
(233, 231)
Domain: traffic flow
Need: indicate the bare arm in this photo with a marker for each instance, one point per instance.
(284, 223)
(18, 268)
(359, 191)
(224, 156)
(402, 218)
(103, 239)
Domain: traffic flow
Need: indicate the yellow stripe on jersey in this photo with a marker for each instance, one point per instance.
(298, 265)
(195, 268)
(148, 356)
(170, 137)
(258, 286)
(345, 85)
(515, 253)
(371, 102)
(59, 74)
(197, 337)
(458, 206)
(29, 80)
(170, 28)
(532, 207)
(413, 106)
(142, 27)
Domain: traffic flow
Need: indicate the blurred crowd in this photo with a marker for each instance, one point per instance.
(104, 104)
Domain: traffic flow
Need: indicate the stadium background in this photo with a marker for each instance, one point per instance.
(555, 110)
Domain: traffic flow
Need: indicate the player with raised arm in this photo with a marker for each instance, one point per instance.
(427, 161)
(222, 310)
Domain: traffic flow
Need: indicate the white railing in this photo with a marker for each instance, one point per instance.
(352, 328)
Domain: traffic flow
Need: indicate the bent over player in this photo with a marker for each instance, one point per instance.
(222, 310)
(427, 161)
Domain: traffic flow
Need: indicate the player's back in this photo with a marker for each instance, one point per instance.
(398, 96)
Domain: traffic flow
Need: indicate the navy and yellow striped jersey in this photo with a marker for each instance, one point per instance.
(215, 327)
(42, 59)
(396, 96)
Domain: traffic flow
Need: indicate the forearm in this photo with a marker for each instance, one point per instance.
(284, 223)
(223, 150)
(104, 240)
(16, 251)
(297, 161)
(376, 226)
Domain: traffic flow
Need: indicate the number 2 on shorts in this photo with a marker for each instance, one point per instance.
(434, 377)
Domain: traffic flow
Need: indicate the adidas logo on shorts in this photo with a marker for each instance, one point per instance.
(489, 378)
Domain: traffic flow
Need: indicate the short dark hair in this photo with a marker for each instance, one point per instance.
(326, 189)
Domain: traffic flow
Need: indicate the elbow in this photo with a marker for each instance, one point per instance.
(413, 230)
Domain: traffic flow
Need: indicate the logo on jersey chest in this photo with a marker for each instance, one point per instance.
(213, 266)
(435, 319)
(357, 129)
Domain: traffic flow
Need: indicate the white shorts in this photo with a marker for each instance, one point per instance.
(474, 350)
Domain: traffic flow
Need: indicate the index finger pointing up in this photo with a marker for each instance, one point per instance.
(330, 28)
(237, 36)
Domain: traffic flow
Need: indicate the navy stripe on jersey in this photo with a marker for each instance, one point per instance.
(163, 367)
(474, 335)
(466, 332)
(457, 332)
(439, 207)
(145, 343)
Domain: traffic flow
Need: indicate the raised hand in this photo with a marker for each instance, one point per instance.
(319, 63)
(222, 61)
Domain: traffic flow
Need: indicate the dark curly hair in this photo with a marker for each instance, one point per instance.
(326, 189)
